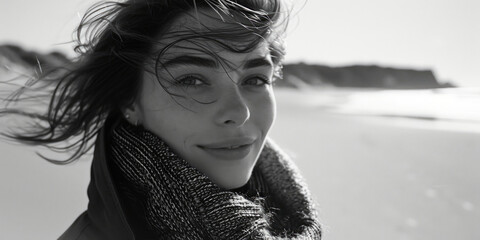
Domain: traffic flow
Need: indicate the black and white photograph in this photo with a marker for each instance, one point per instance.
(239, 119)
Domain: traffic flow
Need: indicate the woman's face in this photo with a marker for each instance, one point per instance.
(215, 114)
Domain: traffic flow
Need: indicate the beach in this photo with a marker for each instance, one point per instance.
(373, 176)
(384, 178)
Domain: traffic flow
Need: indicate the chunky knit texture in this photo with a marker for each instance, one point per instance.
(179, 202)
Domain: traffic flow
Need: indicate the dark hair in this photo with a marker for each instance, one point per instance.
(114, 40)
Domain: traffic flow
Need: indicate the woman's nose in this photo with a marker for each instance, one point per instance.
(233, 109)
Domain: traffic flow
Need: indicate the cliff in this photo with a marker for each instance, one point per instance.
(12, 54)
(299, 75)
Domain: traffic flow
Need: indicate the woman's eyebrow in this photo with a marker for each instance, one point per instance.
(190, 60)
(257, 62)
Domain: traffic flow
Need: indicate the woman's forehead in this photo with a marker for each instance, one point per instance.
(196, 33)
(214, 56)
(205, 47)
(199, 25)
(201, 19)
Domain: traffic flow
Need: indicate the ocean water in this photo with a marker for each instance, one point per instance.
(455, 109)
(385, 164)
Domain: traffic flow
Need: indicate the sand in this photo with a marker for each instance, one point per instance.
(372, 177)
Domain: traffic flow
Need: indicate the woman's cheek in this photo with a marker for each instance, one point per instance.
(263, 110)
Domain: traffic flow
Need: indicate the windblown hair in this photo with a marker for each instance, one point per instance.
(114, 42)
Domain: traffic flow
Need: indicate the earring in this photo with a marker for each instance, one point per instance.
(127, 116)
(136, 123)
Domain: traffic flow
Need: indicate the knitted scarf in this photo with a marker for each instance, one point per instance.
(179, 202)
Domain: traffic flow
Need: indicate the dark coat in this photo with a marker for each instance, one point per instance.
(105, 218)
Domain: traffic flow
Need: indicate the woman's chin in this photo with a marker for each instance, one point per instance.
(232, 182)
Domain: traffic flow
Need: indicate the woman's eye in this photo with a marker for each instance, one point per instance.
(190, 81)
(257, 81)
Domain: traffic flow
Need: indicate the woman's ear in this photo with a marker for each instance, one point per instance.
(132, 114)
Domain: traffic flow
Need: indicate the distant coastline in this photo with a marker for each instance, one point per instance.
(295, 75)
(300, 75)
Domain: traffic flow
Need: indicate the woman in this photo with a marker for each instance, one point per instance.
(178, 95)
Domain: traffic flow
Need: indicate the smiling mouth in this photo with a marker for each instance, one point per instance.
(228, 147)
(230, 152)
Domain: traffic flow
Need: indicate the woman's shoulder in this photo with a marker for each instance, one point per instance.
(82, 229)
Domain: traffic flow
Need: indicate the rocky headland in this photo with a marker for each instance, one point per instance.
(295, 75)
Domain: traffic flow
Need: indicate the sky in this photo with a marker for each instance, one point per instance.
(441, 35)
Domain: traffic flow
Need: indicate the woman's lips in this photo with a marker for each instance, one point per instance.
(229, 150)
